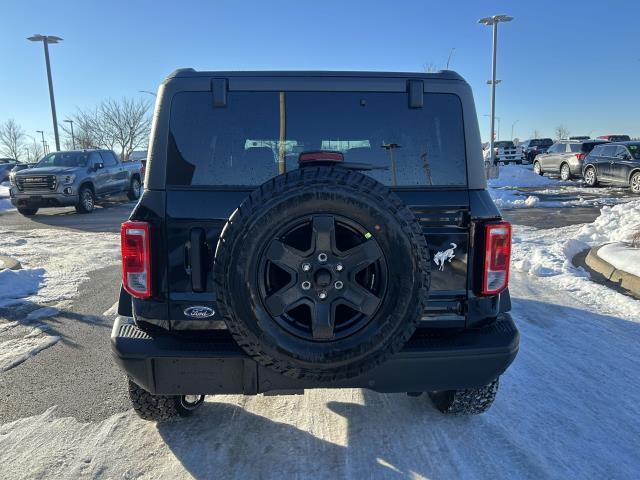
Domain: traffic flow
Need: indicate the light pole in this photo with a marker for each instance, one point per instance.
(46, 40)
(73, 137)
(493, 21)
(147, 91)
(498, 132)
(513, 125)
(44, 144)
(450, 55)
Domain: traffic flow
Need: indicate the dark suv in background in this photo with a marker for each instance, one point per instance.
(534, 146)
(564, 158)
(614, 164)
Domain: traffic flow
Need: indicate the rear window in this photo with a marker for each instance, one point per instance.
(243, 143)
(543, 142)
(504, 144)
(588, 146)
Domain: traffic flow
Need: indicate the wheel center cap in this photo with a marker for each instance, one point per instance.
(323, 277)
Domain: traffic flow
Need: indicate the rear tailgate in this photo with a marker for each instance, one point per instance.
(444, 216)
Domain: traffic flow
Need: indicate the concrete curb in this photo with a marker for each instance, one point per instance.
(10, 263)
(622, 279)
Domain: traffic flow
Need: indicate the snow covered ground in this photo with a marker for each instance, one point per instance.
(518, 187)
(567, 408)
(5, 202)
(54, 264)
(622, 256)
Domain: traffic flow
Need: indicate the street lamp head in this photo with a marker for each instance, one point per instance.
(68, 121)
(495, 19)
(39, 131)
(44, 38)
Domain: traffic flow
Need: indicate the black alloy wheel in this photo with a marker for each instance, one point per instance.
(323, 277)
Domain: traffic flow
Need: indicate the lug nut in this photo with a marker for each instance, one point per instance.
(306, 285)
(322, 257)
(339, 267)
(338, 285)
(306, 267)
(322, 295)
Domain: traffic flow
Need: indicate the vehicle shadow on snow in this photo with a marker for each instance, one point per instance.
(567, 408)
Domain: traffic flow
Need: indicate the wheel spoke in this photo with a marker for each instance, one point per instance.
(284, 256)
(284, 300)
(324, 233)
(322, 320)
(360, 299)
(362, 256)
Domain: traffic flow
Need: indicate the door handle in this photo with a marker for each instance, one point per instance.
(198, 259)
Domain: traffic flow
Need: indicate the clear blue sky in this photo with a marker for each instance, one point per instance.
(575, 63)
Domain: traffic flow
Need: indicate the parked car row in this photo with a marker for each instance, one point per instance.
(598, 161)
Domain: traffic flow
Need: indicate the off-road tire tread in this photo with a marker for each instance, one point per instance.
(470, 401)
(317, 178)
(158, 408)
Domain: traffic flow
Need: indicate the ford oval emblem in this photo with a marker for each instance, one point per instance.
(199, 311)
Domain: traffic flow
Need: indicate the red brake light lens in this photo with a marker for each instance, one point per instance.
(580, 156)
(497, 257)
(136, 258)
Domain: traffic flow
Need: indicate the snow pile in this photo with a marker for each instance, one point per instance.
(19, 283)
(615, 224)
(520, 176)
(621, 256)
(548, 253)
(513, 199)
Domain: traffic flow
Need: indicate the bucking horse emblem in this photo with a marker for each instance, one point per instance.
(441, 257)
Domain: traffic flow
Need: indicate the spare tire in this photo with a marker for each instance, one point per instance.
(322, 273)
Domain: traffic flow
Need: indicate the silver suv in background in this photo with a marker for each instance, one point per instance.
(564, 158)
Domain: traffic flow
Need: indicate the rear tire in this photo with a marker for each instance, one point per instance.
(565, 172)
(160, 408)
(27, 212)
(537, 168)
(134, 189)
(590, 177)
(634, 183)
(470, 401)
(86, 200)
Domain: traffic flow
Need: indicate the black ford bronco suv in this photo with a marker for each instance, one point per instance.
(314, 230)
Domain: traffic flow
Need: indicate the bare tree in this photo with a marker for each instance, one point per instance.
(11, 139)
(430, 67)
(33, 150)
(561, 132)
(121, 125)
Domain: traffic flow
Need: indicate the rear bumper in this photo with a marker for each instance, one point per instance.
(172, 364)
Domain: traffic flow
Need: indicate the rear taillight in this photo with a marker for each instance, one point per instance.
(497, 256)
(580, 156)
(136, 258)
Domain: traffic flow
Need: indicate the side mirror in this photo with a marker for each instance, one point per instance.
(99, 165)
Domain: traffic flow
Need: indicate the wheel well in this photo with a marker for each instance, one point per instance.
(633, 172)
(87, 184)
(135, 175)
